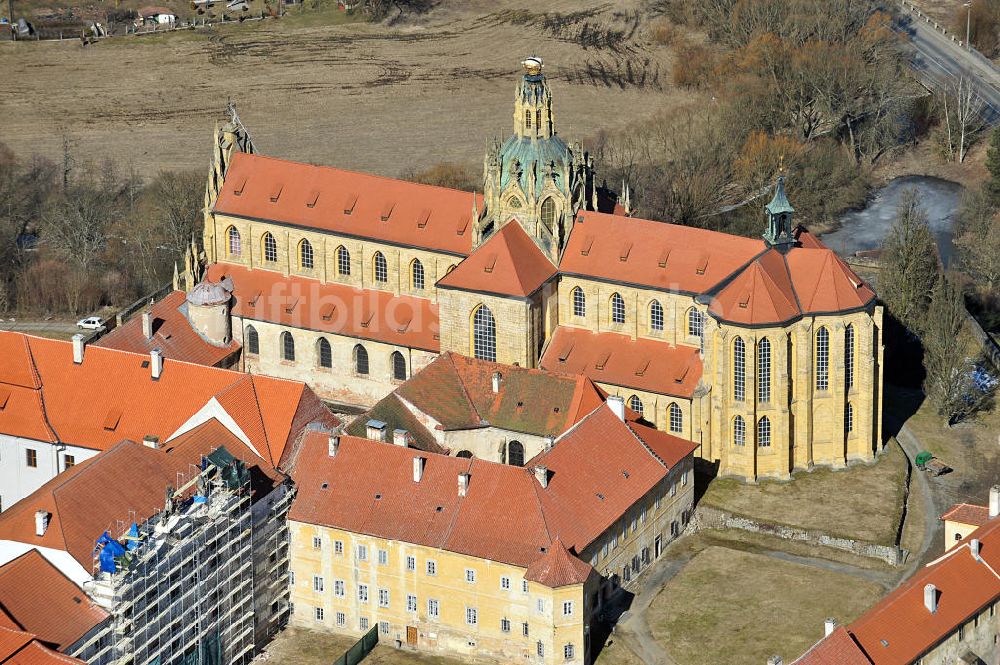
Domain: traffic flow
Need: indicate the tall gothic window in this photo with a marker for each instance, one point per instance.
(579, 302)
(696, 326)
(287, 346)
(484, 334)
(343, 261)
(323, 353)
(764, 432)
(270, 246)
(739, 370)
(538, 118)
(417, 275)
(635, 404)
(360, 360)
(739, 431)
(381, 268)
(764, 371)
(398, 366)
(822, 359)
(549, 214)
(253, 341)
(849, 357)
(617, 308)
(305, 254)
(848, 418)
(676, 418)
(527, 118)
(655, 316)
(515, 453)
(235, 241)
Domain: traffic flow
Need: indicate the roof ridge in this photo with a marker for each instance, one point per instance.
(260, 416)
(41, 392)
(769, 278)
(645, 445)
(461, 383)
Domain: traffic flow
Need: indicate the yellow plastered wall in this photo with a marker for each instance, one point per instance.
(956, 532)
(513, 317)
(451, 632)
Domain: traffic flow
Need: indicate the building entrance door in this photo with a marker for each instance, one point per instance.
(411, 636)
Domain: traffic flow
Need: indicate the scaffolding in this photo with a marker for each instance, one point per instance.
(183, 593)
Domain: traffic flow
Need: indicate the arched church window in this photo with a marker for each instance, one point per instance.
(549, 213)
(464, 454)
(656, 316)
(253, 341)
(343, 261)
(635, 404)
(417, 275)
(287, 346)
(538, 118)
(849, 357)
(527, 118)
(360, 360)
(398, 366)
(822, 359)
(270, 248)
(764, 432)
(515, 453)
(676, 418)
(764, 371)
(739, 369)
(235, 241)
(739, 431)
(484, 334)
(617, 308)
(381, 268)
(305, 254)
(579, 302)
(848, 418)
(323, 353)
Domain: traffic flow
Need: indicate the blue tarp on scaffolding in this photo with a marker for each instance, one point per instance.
(110, 550)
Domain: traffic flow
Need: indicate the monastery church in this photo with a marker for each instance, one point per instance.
(765, 352)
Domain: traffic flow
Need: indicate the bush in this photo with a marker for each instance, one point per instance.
(694, 64)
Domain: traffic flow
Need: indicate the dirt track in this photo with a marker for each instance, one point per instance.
(370, 97)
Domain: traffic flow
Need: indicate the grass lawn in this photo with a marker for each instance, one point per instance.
(729, 606)
(862, 502)
(297, 646)
(617, 653)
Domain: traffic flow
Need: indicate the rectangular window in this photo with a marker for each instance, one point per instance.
(470, 576)
(540, 604)
(363, 623)
(383, 558)
(568, 608)
(673, 488)
(524, 586)
(383, 598)
(411, 563)
(31, 457)
(317, 583)
(431, 567)
(362, 552)
(291, 578)
(341, 618)
(659, 501)
(433, 608)
(504, 625)
(338, 588)
(317, 543)
(632, 530)
(524, 628)
(338, 547)
(568, 652)
(684, 478)
(411, 603)
(540, 649)
(604, 549)
(505, 583)
(363, 593)
(68, 461)
(318, 613)
(471, 616)
(383, 627)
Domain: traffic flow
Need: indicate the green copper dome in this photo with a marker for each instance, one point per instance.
(533, 160)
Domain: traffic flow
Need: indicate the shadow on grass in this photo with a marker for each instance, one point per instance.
(619, 602)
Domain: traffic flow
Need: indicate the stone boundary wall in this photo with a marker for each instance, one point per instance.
(706, 517)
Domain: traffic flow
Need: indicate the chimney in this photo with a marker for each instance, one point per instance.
(974, 548)
(147, 324)
(617, 405)
(155, 364)
(930, 598)
(151, 441)
(78, 349)
(418, 468)
(375, 430)
(497, 377)
(333, 444)
(774, 660)
(829, 626)
(463, 484)
(549, 442)
(994, 501)
(542, 475)
(41, 522)
(401, 437)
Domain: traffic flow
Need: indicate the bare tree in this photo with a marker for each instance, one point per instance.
(962, 115)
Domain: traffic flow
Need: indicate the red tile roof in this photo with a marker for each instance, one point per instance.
(641, 364)
(652, 254)
(36, 653)
(369, 488)
(899, 629)
(339, 309)
(111, 396)
(348, 203)
(173, 335)
(557, 568)
(966, 513)
(457, 392)
(42, 601)
(508, 264)
(839, 648)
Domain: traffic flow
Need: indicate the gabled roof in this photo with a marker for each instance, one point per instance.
(173, 335)
(348, 203)
(339, 309)
(44, 602)
(640, 364)
(838, 648)
(21, 648)
(640, 252)
(557, 568)
(457, 392)
(759, 295)
(966, 513)
(506, 515)
(508, 264)
(391, 410)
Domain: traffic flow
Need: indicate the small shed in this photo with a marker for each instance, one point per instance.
(158, 15)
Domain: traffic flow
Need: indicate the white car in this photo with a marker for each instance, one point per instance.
(90, 323)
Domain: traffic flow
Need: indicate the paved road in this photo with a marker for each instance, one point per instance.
(937, 59)
(57, 329)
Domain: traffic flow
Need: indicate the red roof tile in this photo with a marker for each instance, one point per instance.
(12, 641)
(761, 294)
(824, 283)
(173, 335)
(838, 648)
(665, 256)
(558, 568)
(508, 264)
(348, 203)
(42, 601)
(641, 364)
(299, 302)
(36, 653)
(966, 513)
